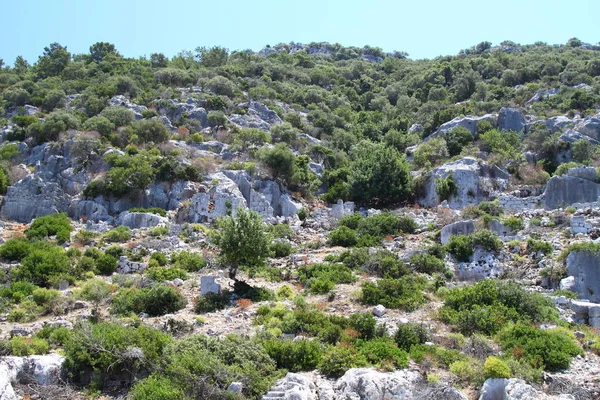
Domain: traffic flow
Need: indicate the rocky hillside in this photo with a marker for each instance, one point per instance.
(305, 222)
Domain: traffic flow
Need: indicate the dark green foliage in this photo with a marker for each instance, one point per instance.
(105, 349)
(383, 353)
(295, 356)
(488, 305)
(188, 261)
(379, 174)
(158, 300)
(152, 130)
(154, 210)
(445, 187)
(456, 139)
(119, 234)
(156, 387)
(321, 278)
(462, 246)
(15, 249)
(212, 302)
(118, 116)
(411, 334)
(106, 264)
(57, 225)
(491, 208)
(17, 291)
(343, 236)
(404, 293)
(337, 360)
(539, 246)
(44, 264)
(281, 249)
(549, 349)
(243, 240)
(427, 263)
(215, 361)
(165, 274)
(363, 323)
(254, 293)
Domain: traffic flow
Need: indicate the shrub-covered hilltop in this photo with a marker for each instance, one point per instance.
(309, 221)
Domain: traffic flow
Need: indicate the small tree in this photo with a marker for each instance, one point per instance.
(243, 240)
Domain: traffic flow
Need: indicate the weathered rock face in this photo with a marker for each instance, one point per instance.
(457, 228)
(514, 389)
(589, 126)
(6, 390)
(511, 119)
(174, 110)
(140, 220)
(476, 182)
(559, 123)
(469, 122)
(368, 384)
(124, 266)
(572, 136)
(219, 200)
(258, 116)
(577, 186)
(483, 265)
(123, 101)
(503, 231)
(584, 267)
(42, 370)
(209, 285)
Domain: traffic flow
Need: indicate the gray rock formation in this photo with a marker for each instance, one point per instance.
(558, 124)
(483, 265)
(140, 220)
(222, 198)
(258, 116)
(589, 126)
(457, 228)
(174, 110)
(364, 383)
(469, 122)
(503, 231)
(6, 389)
(208, 285)
(514, 389)
(341, 209)
(577, 186)
(542, 95)
(584, 267)
(124, 266)
(511, 119)
(475, 180)
(43, 370)
(123, 101)
(572, 136)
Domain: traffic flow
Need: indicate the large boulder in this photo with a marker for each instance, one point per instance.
(174, 110)
(469, 122)
(584, 267)
(577, 186)
(476, 181)
(122, 101)
(141, 220)
(572, 136)
(42, 370)
(6, 389)
(514, 389)
(364, 383)
(558, 124)
(457, 228)
(511, 119)
(257, 115)
(589, 126)
(222, 198)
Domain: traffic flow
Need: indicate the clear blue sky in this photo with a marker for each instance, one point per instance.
(423, 28)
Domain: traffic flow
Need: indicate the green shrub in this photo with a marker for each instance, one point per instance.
(99, 124)
(469, 371)
(487, 240)
(158, 300)
(456, 139)
(254, 293)
(514, 224)
(156, 387)
(383, 353)
(165, 274)
(550, 349)
(95, 290)
(50, 225)
(488, 305)
(24, 346)
(106, 349)
(363, 323)
(281, 249)
(427, 263)
(495, 368)
(43, 297)
(343, 236)
(294, 356)
(405, 293)
(106, 264)
(445, 187)
(539, 246)
(321, 278)
(337, 360)
(491, 208)
(460, 247)
(119, 234)
(351, 221)
(17, 291)
(410, 334)
(119, 116)
(212, 302)
(45, 264)
(15, 249)
(188, 261)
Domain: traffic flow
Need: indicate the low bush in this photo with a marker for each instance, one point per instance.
(462, 246)
(159, 274)
(57, 225)
(488, 305)
(212, 302)
(410, 334)
(156, 387)
(24, 346)
(119, 234)
(383, 353)
(281, 249)
(321, 278)
(426, 263)
(513, 223)
(550, 349)
(495, 368)
(405, 293)
(186, 260)
(491, 208)
(15, 249)
(158, 300)
(343, 236)
(295, 356)
(154, 210)
(539, 246)
(106, 264)
(363, 323)
(337, 360)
